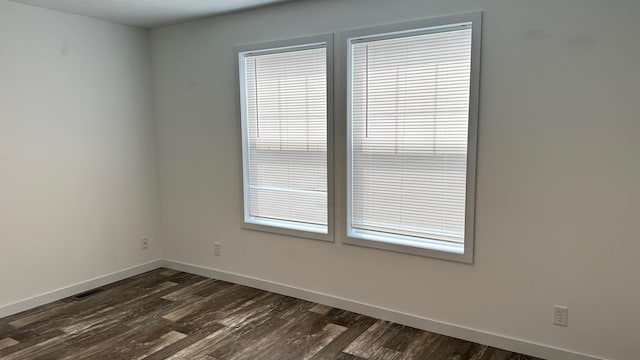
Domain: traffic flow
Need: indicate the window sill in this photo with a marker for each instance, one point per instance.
(288, 228)
(430, 248)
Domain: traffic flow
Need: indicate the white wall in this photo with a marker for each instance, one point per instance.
(77, 150)
(558, 171)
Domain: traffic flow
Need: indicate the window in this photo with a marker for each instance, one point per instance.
(411, 123)
(286, 150)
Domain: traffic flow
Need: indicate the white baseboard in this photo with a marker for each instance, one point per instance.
(35, 301)
(474, 335)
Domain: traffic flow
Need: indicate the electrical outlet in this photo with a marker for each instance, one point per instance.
(144, 243)
(560, 315)
(216, 248)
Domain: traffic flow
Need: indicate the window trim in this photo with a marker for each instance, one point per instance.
(271, 47)
(438, 249)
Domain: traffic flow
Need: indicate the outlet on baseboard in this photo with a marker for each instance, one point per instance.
(560, 315)
(144, 243)
(216, 248)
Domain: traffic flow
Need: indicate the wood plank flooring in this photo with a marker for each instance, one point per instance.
(165, 314)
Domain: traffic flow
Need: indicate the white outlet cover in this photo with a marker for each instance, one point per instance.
(560, 315)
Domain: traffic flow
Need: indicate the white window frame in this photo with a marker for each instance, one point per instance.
(397, 243)
(283, 227)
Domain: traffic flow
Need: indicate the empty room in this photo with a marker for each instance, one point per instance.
(319, 179)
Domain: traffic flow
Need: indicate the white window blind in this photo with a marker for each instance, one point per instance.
(285, 137)
(409, 122)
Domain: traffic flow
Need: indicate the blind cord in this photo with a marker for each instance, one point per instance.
(255, 79)
(366, 116)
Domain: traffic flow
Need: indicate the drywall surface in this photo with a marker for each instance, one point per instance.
(557, 183)
(77, 151)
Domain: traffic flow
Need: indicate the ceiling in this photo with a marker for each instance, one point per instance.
(147, 13)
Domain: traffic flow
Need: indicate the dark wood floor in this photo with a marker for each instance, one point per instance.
(168, 314)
